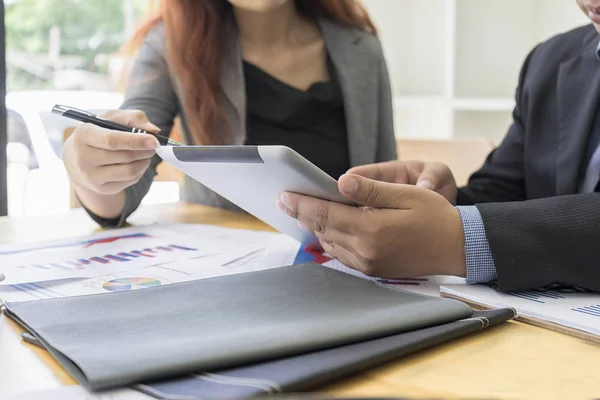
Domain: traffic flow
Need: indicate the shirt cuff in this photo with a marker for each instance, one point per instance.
(480, 263)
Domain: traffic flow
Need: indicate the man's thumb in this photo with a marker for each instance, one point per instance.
(433, 176)
(371, 193)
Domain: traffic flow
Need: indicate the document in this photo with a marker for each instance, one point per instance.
(113, 252)
(77, 393)
(569, 309)
(144, 257)
(425, 285)
(255, 251)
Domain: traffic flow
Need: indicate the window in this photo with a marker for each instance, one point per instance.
(61, 52)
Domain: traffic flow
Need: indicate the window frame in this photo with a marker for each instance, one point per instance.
(3, 127)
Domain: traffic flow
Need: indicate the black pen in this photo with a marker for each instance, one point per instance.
(87, 117)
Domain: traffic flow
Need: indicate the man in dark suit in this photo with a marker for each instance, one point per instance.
(529, 218)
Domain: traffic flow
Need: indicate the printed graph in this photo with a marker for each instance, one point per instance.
(127, 284)
(538, 296)
(82, 263)
(594, 311)
(81, 243)
(37, 290)
(307, 254)
(245, 259)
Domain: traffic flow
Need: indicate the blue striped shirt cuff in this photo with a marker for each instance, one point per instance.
(480, 263)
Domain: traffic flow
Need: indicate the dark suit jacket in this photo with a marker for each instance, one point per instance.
(539, 230)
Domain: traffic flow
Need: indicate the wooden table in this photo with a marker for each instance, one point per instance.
(512, 361)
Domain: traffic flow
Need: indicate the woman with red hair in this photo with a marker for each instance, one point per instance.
(307, 74)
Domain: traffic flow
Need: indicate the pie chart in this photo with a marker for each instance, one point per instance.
(126, 284)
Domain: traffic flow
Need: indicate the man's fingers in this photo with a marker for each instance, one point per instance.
(319, 216)
(391, 171)
(343, 255)
(377, 194)
(378, 172)
(435, 176)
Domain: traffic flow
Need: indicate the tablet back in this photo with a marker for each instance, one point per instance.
(253, 178)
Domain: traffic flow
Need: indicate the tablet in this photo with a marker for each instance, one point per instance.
(253, 178)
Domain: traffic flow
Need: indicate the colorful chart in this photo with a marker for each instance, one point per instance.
(311, 255)
(83, 244)
(126, 284)
(81, 263)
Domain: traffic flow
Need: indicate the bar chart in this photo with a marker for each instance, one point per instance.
(82, 263)
(538, 296)
(594, 310)
(101, 254)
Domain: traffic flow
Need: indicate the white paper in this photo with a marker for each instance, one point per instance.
(276, 250)
(221, 251)
(425, 285)
(77, 393)
(112, 252)
(576, 310)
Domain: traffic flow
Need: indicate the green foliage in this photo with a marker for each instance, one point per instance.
(88, 27)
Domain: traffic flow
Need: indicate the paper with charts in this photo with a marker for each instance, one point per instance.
(285, 251)
(232, 251)
(253, 251)
(572, 309)
(112, 252)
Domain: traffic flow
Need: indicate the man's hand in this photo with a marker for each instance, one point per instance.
(428, 175)
(400, 231)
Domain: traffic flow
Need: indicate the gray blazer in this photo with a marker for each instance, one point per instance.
(357, 56)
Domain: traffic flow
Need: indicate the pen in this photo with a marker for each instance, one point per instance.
(87, 117)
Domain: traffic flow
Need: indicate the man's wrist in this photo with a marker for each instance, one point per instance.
(458, 262)
(480, 267)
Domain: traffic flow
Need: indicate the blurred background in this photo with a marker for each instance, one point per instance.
(454, 66)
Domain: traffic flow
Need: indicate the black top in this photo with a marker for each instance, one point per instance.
(311, 122)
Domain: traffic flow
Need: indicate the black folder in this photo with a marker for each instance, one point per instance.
(223, 323)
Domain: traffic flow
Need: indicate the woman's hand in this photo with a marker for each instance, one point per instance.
(105, 161)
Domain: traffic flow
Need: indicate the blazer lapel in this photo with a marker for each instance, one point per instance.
(233, 86)
(578, 101)
(356, 69)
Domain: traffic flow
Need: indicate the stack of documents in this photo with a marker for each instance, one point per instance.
(570, 312)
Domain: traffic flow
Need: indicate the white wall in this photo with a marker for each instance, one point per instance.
(454, 64)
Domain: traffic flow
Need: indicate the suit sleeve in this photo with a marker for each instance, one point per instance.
(149, 90)
(502, 176)
(548, 241)
(386, 140)
(534, 243)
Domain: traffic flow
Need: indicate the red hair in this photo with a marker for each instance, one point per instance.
(194, 35)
